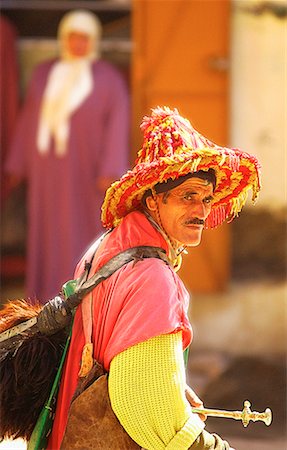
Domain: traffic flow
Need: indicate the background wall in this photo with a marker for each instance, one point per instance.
(255, 303)
(239, 349)
(258, 92)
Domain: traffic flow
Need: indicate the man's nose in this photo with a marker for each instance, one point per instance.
(201, 209)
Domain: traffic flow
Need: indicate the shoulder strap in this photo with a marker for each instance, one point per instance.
(85, 290)
(114, 264)
(55, 314)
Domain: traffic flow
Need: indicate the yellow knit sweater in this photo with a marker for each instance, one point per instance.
(147, 391)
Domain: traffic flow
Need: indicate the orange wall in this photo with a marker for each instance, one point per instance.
(179, 60)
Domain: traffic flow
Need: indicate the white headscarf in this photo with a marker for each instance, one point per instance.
(69, 82)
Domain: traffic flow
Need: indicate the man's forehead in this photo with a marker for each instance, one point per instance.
(194, 183)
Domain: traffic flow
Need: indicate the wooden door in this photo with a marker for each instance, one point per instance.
(179, 59)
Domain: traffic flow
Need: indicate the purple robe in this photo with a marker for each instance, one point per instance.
(63, 202)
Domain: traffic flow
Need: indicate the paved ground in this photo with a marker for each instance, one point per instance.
(258, 444)
(238, 444)
(243, 379)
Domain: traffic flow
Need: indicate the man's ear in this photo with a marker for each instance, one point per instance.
(151, 203)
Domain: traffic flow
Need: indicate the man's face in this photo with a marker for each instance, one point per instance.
(183, 210)
(78, 44)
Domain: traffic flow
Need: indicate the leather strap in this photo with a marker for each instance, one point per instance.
(56, 314)
(115, 263)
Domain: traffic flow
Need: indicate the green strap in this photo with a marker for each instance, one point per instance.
(43, 427)
(39, 437)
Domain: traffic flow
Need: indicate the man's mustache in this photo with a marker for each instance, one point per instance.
(194, 221)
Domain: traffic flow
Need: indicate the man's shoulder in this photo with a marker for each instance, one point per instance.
(151, 272)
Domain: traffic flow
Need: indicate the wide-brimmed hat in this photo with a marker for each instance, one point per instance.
(173, 148)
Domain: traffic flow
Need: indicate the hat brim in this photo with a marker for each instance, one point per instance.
(237, 172)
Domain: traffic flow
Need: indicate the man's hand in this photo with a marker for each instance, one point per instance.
(210, 441)
(194, 400)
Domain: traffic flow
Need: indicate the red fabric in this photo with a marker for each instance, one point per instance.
(136, 303)
(8, 82)
(9, 98)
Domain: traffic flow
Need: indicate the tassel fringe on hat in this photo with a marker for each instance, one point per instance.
(173, 148)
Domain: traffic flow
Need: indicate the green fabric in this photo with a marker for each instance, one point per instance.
(43, 427)
(185, 356)
(69, 287)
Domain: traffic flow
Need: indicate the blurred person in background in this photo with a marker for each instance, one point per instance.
(70, 142)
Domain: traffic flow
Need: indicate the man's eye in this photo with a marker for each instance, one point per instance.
(207, 200)
(188, 196)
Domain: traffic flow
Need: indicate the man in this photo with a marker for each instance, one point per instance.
(70, 142)
(135, 323)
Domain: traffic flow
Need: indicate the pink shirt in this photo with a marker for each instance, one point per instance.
(136, 303)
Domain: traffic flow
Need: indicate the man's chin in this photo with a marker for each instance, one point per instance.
(194, 238)
(193, 244)
(190, 239)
